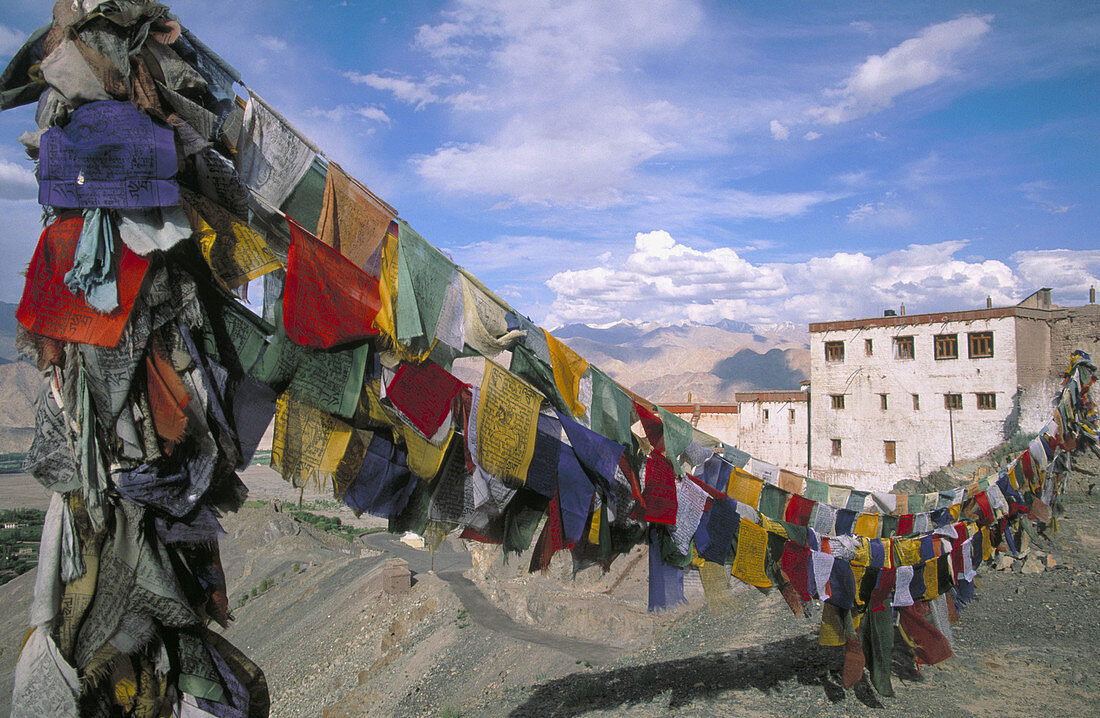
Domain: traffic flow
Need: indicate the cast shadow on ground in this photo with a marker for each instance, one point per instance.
(761, 668)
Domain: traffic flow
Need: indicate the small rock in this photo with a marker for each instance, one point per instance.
(1032, 565)
(1003, 562)
(1051, 561)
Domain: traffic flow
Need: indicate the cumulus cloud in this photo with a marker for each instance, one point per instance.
(404, 89)
(915, 63)
(10, 40)
(17, 181)
(779, 130)
(663, 279)
(811, 136)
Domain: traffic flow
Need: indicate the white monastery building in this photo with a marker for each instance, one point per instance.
(894, 397)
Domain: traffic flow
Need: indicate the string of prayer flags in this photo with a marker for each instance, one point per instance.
(272, 157)
(748, 562)
(353, 219)
(236, 252)
(327, 301)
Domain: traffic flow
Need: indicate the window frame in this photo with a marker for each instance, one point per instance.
(945, 342)
(916, 402)
(883, 402)
(869, 347)
(952, 402)
(890, 451)
(790, 416)
(836, 402)
(837, 448)
(986, 397)
(909, 343)
(979, 340)
(764, 416)
(834, 352)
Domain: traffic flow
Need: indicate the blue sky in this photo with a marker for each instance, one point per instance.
(669, 160)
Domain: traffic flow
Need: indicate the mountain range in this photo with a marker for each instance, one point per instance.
(702, 363)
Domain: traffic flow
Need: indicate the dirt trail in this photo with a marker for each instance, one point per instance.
(450, 565)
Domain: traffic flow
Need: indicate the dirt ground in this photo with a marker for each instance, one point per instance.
(478, 637)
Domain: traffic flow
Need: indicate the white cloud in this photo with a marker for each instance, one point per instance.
(343, 112)
(863, 27)
(10, 40)
(915, 63)
(561, 118)
(1039, 195)
(811, 136)
(665, 280)
(274, 44)
(17, 181)
(879, 215)
(779, 130)
(404, 89)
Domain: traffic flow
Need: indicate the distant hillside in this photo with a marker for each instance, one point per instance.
(709, 362)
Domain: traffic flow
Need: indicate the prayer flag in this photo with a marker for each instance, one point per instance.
(327, 300)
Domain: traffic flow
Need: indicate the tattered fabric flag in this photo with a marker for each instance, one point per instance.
(507, 421)
(929, 646)
(718, 531)
(651, 427)
(384, 483)
(817, 491)
(526, 365)
(353, 219)
(575, 492)
(795, 563)
(659, 491)
(109, 155)
(168, 399)
(677, 435)
(611, 408)
(799, 510)
(308, 444)
(666, 582)
(773, 501)
(597, 454)
(236, 253)
(748, 563)
(568, 367)
(327, 301)
(48, 307)
(303, 204)
(328, 380)
(690, 502)
(423, 393)
(272, 157)
(423, 274)
(866, 525)
(551, 540)
(745, 488)
(766, 472)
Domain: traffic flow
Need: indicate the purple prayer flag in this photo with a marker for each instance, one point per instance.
(109, 155)
(666, 582)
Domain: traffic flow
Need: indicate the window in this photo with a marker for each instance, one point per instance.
(837, 400)
(765, 416)
(869, 346)
(916, 402)
(790, 416)
(891, 452)
(952, 401)
(836, 447)
(987, 401)
(947, 346)
(882, 401)
(903, 348)
(834, 351)
(981, 344)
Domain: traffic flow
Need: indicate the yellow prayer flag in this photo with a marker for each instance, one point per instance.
(902, 507)
(867, 525)
(908, 550)
(832, 631)
(235, 251)
(507, 421)
(594, 528)
(748, 563)
(863, 554)
(387, 288)
(424, 458)
(745, 488)
(773, 527)
(307, 443)
(931, 579)
(791, 483)
(987, 544)
(956, 511)
(568, 368)
(858, 571)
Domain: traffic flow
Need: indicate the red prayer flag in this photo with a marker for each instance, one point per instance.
(799, 509)
(49, 308)
(423, 393)
(795, 563)
(327, 300)
(659, 493)
(652, 426)
(905, 524)
(551, 540)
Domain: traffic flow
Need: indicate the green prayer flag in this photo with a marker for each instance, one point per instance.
(423, 274)
(677, 436)
(611, 408)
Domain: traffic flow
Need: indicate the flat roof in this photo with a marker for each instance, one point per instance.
(967, 315)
